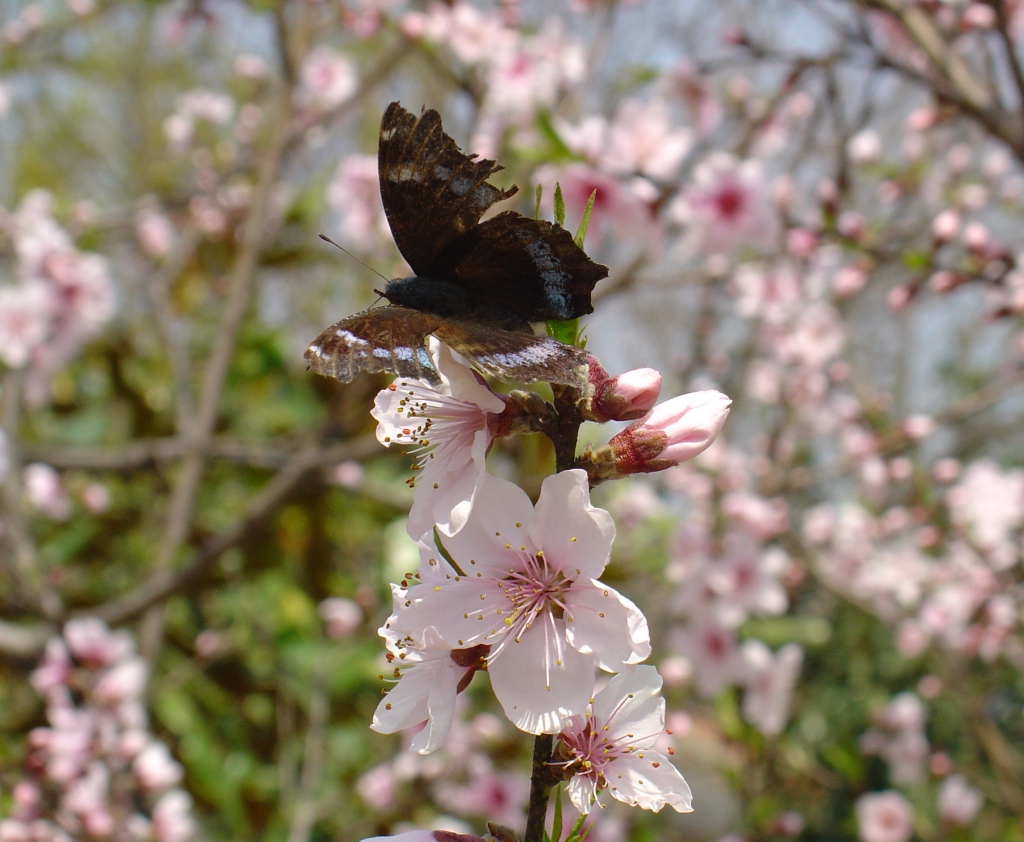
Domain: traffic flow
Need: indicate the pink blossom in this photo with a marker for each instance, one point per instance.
(959, 802)
(155, 232)
(429, 675)
(768, 680)
(24, 321)
(378, 787)
(673, 432)
(355, 193)
(711, 647)
(884, 817)
(92, 643)
(642, 140)
(473, 36)
(499, 796)
(426, 836)
(45, 491)
(533, 597)
(530, 72)
(612, 747)
(172, 819)
(447, 426)
(988, 503)
(745, 580)
(727, 208)
(341, 617)
(328, 78)
(155, 769)
(865, 147)
(122, 681)
(622, 208)
(704, 109)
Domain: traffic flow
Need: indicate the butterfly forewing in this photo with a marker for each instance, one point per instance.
(385, 339)
(432, 192)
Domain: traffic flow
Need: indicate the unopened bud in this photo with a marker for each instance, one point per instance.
(672, 432)
(625, 397)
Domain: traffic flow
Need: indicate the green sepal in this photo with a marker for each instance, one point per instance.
(581, 232)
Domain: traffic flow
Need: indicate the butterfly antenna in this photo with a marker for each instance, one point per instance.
(327, 239)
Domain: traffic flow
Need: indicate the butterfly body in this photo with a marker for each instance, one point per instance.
(477, 285)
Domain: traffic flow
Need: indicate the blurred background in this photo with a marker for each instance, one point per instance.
(813, 206)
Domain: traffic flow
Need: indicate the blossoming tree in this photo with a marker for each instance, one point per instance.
(813, 628)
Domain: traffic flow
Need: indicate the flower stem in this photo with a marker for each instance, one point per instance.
(540, 788)
(563, 435)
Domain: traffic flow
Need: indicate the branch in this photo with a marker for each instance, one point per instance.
(144, 453)
(18, 556)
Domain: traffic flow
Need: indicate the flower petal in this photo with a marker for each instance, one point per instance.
(575, 535)
(539, 689)
(650, 781)
(597, 616)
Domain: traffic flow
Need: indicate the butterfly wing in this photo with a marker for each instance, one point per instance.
(393, 339)
(510, 355)
(530, 267)
(383, 339)
(432, 191)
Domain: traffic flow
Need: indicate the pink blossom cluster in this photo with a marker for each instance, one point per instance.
(95, 771)
(513, 588)
(60, 296)
(959, 586)
(462, 777)
(721, 580)
(519, 73)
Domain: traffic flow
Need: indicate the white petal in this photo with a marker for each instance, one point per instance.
(537, 690)
(650, 782)
(606, 624)
(573, 533)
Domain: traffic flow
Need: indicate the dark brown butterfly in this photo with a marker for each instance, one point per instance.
(478, 285)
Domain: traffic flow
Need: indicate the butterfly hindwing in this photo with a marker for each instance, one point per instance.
(384, 339)
(432, 192)
(530, 267)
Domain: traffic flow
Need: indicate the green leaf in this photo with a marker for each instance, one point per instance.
(556, 822)
(559, 206)
(581, 232)
(536, 207)
(566, 332)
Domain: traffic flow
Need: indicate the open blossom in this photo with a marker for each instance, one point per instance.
(768, 679)
(728, 208)
(527, 586)
(884, 817)
(672, 432)
(328, 78)
(959, 802)
(611, 747)
(430, 673)
(427, 836)
(24, 321)
(447, 428)
(355, 193)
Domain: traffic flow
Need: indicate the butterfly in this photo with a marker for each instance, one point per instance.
(477, 285)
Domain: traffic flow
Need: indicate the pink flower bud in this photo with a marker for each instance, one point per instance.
(671, 433)
(625, 397)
